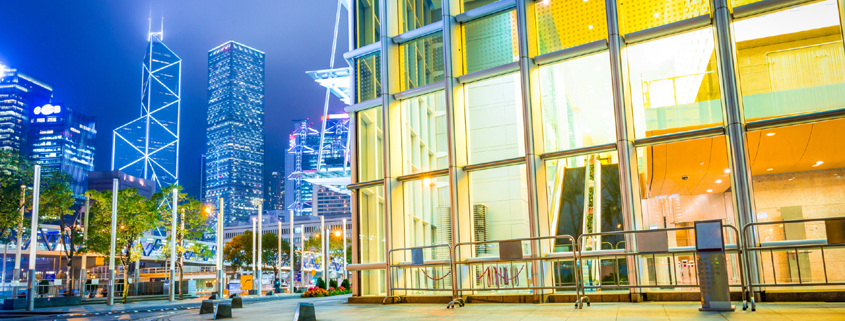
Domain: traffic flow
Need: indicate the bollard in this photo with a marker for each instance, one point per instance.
(233, 295)
(237, 303)
(304, 312)
(269, 293)
(207, 307)
(213, 296)
(224, 311)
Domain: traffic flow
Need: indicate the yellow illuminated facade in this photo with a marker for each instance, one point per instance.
(483, 121)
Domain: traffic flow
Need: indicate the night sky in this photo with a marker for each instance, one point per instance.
(91, 53)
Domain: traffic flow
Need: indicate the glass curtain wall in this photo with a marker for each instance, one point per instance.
(490, 41)
(370, 136)
(368, 76)
(417, 13)
(371, 238)
(424, 142)
(421, 61)
(367, 22)
(472, 4)
(494, 119)
(564, 24)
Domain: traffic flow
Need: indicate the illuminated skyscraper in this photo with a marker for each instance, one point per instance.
(148, 146)
(63, 139)
(235, 133)
(19, 93)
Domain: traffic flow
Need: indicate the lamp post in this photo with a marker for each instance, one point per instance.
(301, 254)
(84, 263)
(344, 250)
(253, 254)
(323, 263)
(260, 245)
(291, 252)
(18, 246)
(173, 247)
(33, 240)
(326, 236)
(115, 187)
(279, 254)
(220, 272)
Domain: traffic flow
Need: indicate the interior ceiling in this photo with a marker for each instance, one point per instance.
(796, 148)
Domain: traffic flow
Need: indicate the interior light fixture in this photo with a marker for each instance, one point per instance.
(770, 169)
(818, 163)
(770, 134)
(657, 15)
(718, 181)
(727, 171)
(709, 191)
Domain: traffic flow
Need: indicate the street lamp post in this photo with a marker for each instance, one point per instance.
(344, 250)
(260, 245)
(279, 256)
(301, 254)
(220, 249)
(253, 255)
(291, 251)
(84, 262)
(33, 240)
(326, 236)
(323, 263)
(18, 246)
(114, 191)
(173, 247)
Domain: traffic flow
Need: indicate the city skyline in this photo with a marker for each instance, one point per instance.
(106, 86)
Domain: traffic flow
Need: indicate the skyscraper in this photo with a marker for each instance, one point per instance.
(235, 133)
(301, 157)
(276, 191)
(19, 93)
(63, 139)
(148, 146)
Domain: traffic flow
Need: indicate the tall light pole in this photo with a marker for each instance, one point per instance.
(291, 251)
(18, 245)
(344, 251)
(301, 254)
(220, 272)
(84, 263)
(279, 252)
(254, 270)
(33, 240)
(114, 191)
(326, 235)
(260, 246)
(323, 263)
(173, 247)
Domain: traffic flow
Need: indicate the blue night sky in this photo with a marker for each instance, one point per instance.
(91, 52)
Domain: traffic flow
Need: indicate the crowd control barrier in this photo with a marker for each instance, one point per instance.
(794, 252)
(511, 269)
(651, 244)
(422, 275)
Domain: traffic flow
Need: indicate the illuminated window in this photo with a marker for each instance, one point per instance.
(368, 68)
(636, 15)
(791, 61)
(674, 84)
(370, 145)
(798, 172)
(427, 219)
(494, 119)
(368, 25)
(499, 199)
(491, 41)
(371, 238)
(424, 145)
(421, 61)
(563, 24)
(417, 13)
(577, 103)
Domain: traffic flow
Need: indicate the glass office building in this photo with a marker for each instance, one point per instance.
(61, 139)
(494, 120)
(148, 146)
(234, 167)
(19, 94)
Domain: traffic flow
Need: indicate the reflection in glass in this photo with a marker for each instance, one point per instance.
(674, 84)
(371, 224)
(417, 13)
(798, 172)
(472, 4)
(368, 26)
(421, 61)
(585, 197)
(370, 145)
(427, 219)
(424, 146)
(368, 68)
(564, 24)
(494, 119)
(791, 61)
(577, 103)
(491, 41)
(499, 199)
(644, 14)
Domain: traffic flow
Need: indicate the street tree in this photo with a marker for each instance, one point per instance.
(15, 176)
(136, 215)
(191, 224)
(55, 203)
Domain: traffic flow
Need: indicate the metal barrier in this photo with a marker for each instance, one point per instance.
(617, 254)
(419, 265)
(835, 238)
(499, 272)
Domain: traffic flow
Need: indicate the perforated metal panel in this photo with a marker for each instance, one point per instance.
(422, 61)
(491, 41)
(368, 69)
(564, 24)
(636, 15)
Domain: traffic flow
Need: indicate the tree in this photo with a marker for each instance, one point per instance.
(15, 175)
(135, 216)
(55, 203)
(190, 225)
(238, 251)
(336, 249)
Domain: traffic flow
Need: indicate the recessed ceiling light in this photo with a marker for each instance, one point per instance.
(718, 181)
(770, 134)
(657, 15)
(590, 27)
(702, 163)
(818, 163)
(709, 191)
(727, 171)
(770, 169)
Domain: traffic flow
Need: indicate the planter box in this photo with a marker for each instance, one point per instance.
(19, 304)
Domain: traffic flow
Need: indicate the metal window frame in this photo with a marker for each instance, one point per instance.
(485, 10)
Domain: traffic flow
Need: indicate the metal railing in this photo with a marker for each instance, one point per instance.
(505, 271)
(795, 248)
(617, 254)
(427, 274)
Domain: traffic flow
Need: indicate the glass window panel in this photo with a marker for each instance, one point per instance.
(491, 41)
(494, 120)
(367, 26)
(424, 145)
(368, 68)
(371, 224)
(370, 138)
(584, 197)
(798, 172)
(373, 283)
(577, 103)
(681, 183)
(472, 4)
(427, 219)
(422, 61)
(674, 84)
(791, 61)
(499, 199)
(636, 15)
(417, 13)
(564, 24)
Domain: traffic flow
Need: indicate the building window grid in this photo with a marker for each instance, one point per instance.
(700, 8)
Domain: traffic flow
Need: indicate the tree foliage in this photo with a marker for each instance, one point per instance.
(55, 206)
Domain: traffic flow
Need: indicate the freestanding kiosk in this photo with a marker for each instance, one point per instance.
(712, 266)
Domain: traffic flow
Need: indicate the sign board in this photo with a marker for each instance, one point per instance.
(234, 287)
(712, 268)
(653, 242)
(510, 250)
(246, 282)
(417, 256)
(95, 281)
(57, 282)
(835, 231)
(16, 283)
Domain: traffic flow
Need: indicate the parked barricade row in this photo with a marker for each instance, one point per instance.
(424, 272)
